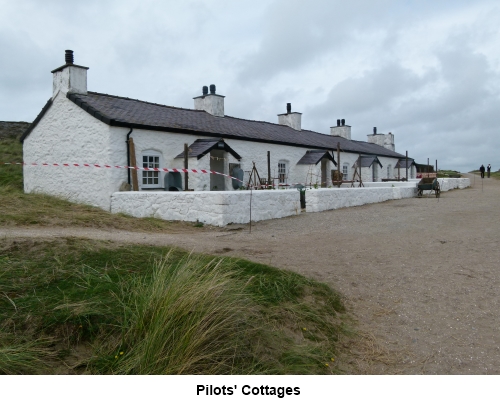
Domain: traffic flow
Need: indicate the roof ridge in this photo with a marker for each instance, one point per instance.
(273, 123)
(193, 109)
(142, 101)
(335, 138)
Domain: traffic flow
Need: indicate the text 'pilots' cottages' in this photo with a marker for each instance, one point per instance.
(80, 126)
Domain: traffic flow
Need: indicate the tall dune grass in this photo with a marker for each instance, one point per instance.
(147, 310)
(188, 318)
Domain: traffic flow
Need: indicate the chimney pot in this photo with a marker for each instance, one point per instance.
(211, 103)
(338, 123)
(288, 108)
(374, 130)
(343, 121)
(68, 57)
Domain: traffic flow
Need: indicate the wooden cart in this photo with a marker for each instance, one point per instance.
(431, 184)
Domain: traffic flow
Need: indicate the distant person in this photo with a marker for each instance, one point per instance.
(481, 169)
(489, 170)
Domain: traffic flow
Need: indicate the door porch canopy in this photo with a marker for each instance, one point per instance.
(313, 157)
(201, 147)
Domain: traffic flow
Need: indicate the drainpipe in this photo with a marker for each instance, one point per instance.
(128, 153)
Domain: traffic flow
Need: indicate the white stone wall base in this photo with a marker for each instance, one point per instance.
(450, 184)
(333, 198)
(222, 208)
(213, 208)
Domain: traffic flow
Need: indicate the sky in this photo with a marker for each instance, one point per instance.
(427, 71)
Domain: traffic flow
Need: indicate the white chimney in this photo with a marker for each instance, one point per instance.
(341, 129)
(69, 78)
(211, 103)
(292, 119)
(387, 141)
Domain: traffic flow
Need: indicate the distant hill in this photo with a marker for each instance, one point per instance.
(12, 129)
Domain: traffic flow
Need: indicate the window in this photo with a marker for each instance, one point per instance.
(345, 171)
(151, 179)
(389, 171)
(282, 169)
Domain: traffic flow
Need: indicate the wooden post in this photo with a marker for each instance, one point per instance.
(359, 166)
(406, 165)
(338, 163)
(186, 175)
(268, 168)
(133, 163)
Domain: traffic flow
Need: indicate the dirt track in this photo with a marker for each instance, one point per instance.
(420, 275)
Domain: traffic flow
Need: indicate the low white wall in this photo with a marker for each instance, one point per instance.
(323, 199)
(214, 208)
(332, 198)
(450, 184)
(222, 208)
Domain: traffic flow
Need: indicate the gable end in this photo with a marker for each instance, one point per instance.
(36, 121)
(89, 109)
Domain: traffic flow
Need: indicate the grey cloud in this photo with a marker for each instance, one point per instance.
(296, 34)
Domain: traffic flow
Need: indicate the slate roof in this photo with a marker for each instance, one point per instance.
(367, 161)
(130, 113)
(201, 147)
(313, 157)
(403, 165)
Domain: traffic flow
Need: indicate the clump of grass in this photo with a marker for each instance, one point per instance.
(189, 318)
(449, 174)
(24, 357)
(147, 310)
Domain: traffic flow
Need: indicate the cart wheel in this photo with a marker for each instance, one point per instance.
(438, 191)
(419, 194)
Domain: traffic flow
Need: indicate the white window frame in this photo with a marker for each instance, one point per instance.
(389, 171)
(345, 171)
(283, 171)
(151, 179)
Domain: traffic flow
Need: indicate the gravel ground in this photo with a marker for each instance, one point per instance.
(420, 276)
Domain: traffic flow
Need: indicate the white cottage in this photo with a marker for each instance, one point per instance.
(80, 126)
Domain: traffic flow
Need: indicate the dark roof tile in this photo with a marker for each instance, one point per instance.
(313, 157)
(126, 112)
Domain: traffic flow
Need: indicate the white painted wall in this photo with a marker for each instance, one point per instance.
(343, 131)
(450, 184)
(330, 199)
(385, 140)
(214, 208)
(222, 208)
(211, 103)
(292, 120)
(67, 134)
(70, 79)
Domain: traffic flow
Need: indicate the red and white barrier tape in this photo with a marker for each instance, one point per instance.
(164, 169)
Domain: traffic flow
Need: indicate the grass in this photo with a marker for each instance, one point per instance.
(448, 173)
(17, 208)
(91, 307)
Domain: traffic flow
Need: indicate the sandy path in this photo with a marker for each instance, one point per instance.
(421, 275)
